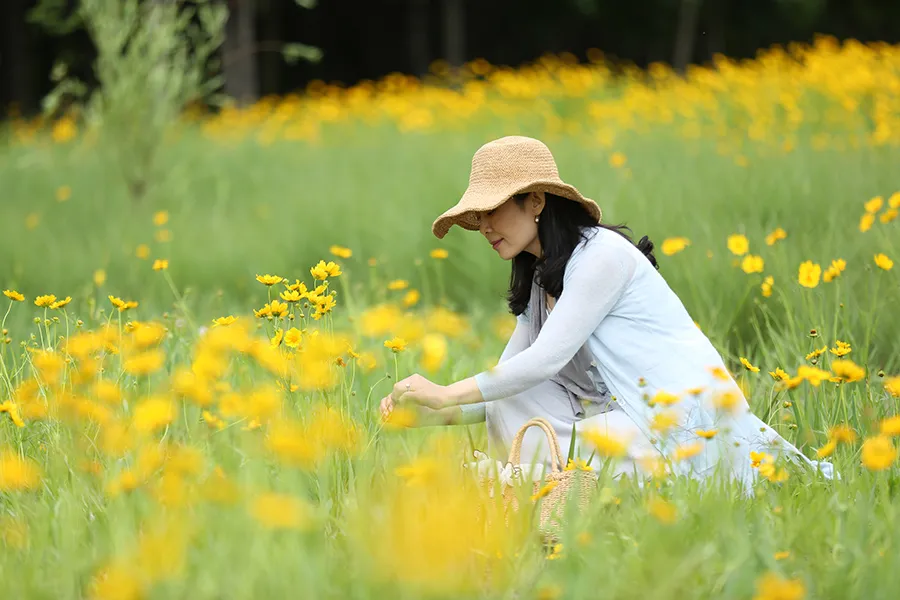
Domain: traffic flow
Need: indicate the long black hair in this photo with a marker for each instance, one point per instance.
(562, 226)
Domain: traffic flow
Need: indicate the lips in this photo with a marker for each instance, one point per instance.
(495, 244)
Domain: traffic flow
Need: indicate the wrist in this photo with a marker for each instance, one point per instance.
(463, 392)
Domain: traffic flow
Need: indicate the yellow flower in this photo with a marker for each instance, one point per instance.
(160, 218)
(841, 348)
(32, 220)
(323, 270)
(738, 244)
(752, 264)
(153, 413)
(766, 286)
(341, 252)
(834, 270)
(278, 309)
(774, 475)
(827, 449)
(61, 303)
(816, 353)
(45, 301)
(398, 284)
(99, 277)
(883, 262)
(874, 205)
(224, 321)
(617, 160)
(749, 366)
(842, 433)
(889, 215)
(779, 375)
(772, 586)
(674, 245)
(664, 398)
(662, 511)
(396, 344)
(144, 363)
(778, 234)
(17, 473)
(63, 193)
(891, 425)
(866, 221)
(847, 371)
(894, 200)
(276, 339)
(13, 295)
(707, 434)
(10, 408)
(292, 338)
(607, 445)
(434, 351)
(878, 453)
(280, 511)
(892, 386)
(439, 253)
(809, 274)
(760, 458)
(720, 373)
(813, 375)
(160, 264)
(162, 236)
(269, 280)
(291, 296)
(411, 298)
(122, 305)
(578, 465)
(687, 451)
(142, 251)
(545, 489)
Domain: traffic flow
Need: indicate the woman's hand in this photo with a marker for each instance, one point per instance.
(418, 390)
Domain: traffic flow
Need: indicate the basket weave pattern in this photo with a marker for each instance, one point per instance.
(580, 483)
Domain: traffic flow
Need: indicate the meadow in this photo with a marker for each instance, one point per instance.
(190, 375)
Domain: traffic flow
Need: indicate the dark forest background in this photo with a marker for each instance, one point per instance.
(368, 39)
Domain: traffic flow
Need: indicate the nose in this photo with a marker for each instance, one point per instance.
(484, 225)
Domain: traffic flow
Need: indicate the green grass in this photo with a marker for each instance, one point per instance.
(241, 210)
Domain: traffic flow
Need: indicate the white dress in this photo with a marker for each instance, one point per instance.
(644, 343)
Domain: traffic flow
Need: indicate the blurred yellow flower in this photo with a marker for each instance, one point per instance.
(874, 205)
(809, 274)
(707, 434)
(32, 220)
(671, 246)
(13, 295)
(17, 473)
(752, 264)
(890, 425)
(847, 371)
(411, 298)
(889, 215)
(99, 277)
(160, 264)
(766, 286)
(772, 586)
(883, 262)
(144, 363)
(142, 251)
(687, 451)
(738, 244)
(439, 253)
(280, 511)
(834, 270)
(545, 489)
(813, 375)
(774, 236)
(866, 221)
(398, 284)
(434, 351)
(662, 510)
(878, 453)
(9, 407)
(607, 445)
(664, 398)
(160, 218)
(892, 386)
(617, 160)
(63, 193)
(340, 251)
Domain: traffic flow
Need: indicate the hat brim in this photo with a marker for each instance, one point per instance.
(465, 211)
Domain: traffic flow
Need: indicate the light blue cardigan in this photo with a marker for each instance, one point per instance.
(644, 342)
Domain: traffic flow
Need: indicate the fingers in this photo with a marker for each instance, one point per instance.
(387, 407)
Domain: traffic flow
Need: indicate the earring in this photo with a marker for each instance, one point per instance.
(536, 218)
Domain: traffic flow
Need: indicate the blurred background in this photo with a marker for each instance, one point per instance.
(347, 41)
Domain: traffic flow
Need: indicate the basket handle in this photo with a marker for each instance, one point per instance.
(515, 451)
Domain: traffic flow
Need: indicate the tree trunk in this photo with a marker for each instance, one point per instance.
(270, 72)
(418, 36)
(239, 61)
(715, 28)
(454, 32)
(685, 34)
(18, 56)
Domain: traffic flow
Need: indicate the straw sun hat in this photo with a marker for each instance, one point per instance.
(501, 169)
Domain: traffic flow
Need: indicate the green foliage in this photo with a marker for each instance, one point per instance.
(154, 60)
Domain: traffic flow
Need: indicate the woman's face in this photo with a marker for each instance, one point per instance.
(510, 228)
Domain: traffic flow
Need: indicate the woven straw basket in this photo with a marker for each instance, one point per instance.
(581, 484)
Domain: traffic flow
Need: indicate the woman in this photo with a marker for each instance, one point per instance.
(601, 341)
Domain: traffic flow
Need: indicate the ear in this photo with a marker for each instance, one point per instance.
(538, 201)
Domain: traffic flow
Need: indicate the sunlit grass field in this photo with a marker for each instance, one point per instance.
(194, 411)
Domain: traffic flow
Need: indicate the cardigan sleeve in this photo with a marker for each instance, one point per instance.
(594, 280)
(518, 341)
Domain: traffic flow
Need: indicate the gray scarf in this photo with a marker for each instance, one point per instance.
(586, 393)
